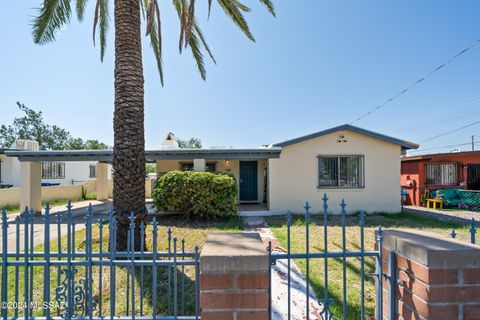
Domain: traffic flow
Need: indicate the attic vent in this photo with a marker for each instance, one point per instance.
(341, 139)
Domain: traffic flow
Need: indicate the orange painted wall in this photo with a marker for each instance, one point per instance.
(413, 175)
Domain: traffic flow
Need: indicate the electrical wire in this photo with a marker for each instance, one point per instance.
(444, 147)
(451, 131)
(417, 82)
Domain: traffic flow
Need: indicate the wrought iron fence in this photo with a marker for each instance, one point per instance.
(79, 275)
(472, 230)
(326, 254)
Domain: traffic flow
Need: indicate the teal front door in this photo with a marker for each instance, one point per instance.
(248, 181)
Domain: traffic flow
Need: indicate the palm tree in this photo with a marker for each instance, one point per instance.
(128, 120)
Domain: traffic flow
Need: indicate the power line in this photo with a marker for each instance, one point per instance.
(451, 131)
(417, 82)
(444, 147)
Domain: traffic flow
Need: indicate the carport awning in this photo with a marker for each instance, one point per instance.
(150, 155)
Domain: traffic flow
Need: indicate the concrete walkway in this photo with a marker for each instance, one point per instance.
(100, 208)
(298, 296)
(464, 216)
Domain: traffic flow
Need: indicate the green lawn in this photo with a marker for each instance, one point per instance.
(193, 232)
(398, 221)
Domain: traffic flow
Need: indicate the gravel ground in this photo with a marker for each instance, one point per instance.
(456, 215)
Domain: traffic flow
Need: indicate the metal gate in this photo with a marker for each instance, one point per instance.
(64, 278)
(344, 255)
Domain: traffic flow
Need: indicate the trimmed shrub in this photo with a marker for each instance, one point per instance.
(196, 194)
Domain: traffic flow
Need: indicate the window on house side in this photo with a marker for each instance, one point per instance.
(188, 166)
(53, 170)
(93, 171)
(442, 174)
(346, 172)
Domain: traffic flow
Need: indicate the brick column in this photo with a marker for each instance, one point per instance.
(439, 278)
(234, 277)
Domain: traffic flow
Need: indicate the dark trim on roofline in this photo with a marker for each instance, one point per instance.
(150, 155)
(404, 144)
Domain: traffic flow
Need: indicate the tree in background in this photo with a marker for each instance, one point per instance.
(49, 137)
(128, 117)
(190, 143)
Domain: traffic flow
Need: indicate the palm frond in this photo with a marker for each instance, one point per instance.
(102, 20)
(189, 23)
(269, 5)
(81, 4)
(52, 16)
(154, 30)
(194, 44)
(199, 32)
(233, 9)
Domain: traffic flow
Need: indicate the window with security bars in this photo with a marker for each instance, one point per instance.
(442, 174)
(53, 170)
(347, 172)
(93, 171)
(209, 166)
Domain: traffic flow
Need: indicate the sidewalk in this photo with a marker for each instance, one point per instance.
(100, 208)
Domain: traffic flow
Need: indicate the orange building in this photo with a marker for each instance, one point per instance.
(442, 170)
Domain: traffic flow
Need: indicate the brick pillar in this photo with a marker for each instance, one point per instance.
(234, 277)
(439, 278)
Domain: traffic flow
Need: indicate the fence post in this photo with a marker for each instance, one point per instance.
(438, 278)
(234, 277)
(4, 263)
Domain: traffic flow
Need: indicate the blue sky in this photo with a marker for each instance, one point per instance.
(317, 65)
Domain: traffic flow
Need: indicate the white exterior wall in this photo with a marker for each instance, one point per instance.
(10, 170)
(293, 178)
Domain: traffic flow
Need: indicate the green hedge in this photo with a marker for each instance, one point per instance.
(196, 194)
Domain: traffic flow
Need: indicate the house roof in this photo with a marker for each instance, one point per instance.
(150, 155)
(442, 154)
(404, 144)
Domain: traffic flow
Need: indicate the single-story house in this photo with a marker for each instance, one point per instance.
(460, 170)
(345, 162)
(53, 172)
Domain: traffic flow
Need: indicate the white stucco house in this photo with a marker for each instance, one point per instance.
(345, 162)
(53, 172)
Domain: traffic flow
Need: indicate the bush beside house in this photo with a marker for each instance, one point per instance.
(196, 194)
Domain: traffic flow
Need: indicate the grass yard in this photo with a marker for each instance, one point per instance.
(397, 221)
(192, 231)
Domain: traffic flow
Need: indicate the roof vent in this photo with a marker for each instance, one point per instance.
(170, 142)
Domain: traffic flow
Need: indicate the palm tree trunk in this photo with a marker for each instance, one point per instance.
(129, 139)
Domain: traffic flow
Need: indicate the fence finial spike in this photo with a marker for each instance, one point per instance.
(69, 205)
(132, 219)
(289, 217)
(307, 210)
(453, 234)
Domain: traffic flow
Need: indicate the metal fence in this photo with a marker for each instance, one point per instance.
(327, 254)
(76, 274)
(472, 230)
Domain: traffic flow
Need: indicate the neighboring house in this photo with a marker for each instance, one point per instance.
(346, 162)
(55, 172)
(459, 170)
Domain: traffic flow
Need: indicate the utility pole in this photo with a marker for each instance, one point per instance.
(473, 143)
